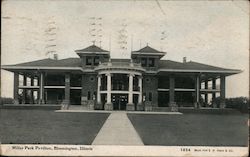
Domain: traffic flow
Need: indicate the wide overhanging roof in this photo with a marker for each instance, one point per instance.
(67, 64)
(165, 66)
(192, 67)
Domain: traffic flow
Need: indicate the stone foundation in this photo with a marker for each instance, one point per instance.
(65, 105)
(173, 107)
(130, 107)
(148, 106)
(98, 106)
(108, 106)
(91, 104)
(140, 107)
(88, 104)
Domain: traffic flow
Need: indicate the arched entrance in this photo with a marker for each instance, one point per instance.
(119, 82)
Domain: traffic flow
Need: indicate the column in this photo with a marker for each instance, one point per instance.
(140, 89)
(130, 105)
(32, 90)
(197, 92)
(67, 89)
(140, 105)
(206, 94)
(108, 105)
(130, 95)
(15, 91)
(222, 92)
(172, 104)
(83, 92)
(108, 88)
(98, 89)
(171, 89)
(214, 93)
(24, 97)
(41, 88)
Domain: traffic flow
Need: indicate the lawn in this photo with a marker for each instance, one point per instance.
(192, 129)
(49, 127)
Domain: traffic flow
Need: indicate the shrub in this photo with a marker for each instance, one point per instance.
(239, 103)
(4, 100)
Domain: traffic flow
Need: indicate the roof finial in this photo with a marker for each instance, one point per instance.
(93, 42)
(147, 44)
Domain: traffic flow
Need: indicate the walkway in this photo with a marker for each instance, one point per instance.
(117, 130)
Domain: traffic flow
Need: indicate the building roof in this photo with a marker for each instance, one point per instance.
(164, 65)
(147, 50)
(68, 62)
(168, 65)
(92, 48)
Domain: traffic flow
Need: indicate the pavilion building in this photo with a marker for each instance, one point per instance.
(96, 81)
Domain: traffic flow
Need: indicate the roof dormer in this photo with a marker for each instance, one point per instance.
(91, 56)
(93, 50)
(147, 51)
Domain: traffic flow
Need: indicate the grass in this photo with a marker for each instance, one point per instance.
(192, 129)
(49, 127)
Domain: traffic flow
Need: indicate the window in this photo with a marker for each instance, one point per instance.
(148, 80)
(96, 60)
(89, 95)
(91, 78)
(150, 96)
(151, 62)
(88, 60)
(144, 62)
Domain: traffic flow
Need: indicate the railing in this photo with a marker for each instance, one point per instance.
(120, 88)
(129, 65)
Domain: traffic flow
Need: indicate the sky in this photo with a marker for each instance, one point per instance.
(209, 32)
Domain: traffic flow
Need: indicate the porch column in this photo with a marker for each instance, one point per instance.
(140, 89)
(15, 91)
(139, 104)
(130, 105)
(108, 88)
(108, 105)
(41, 88)
(222, 91)
(171, 89)
(214, 93)
(67, 90)
(130, 95)
(32, 90)
(206, 94)
(24, 97)
(172, 104)
(98, 89)
(197, 92)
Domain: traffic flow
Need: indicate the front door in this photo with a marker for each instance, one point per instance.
(119, 101)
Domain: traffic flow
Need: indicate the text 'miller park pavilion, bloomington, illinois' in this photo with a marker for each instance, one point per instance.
(96, 81)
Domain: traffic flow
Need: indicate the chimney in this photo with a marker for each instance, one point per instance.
(184, 59)
(55, 56)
